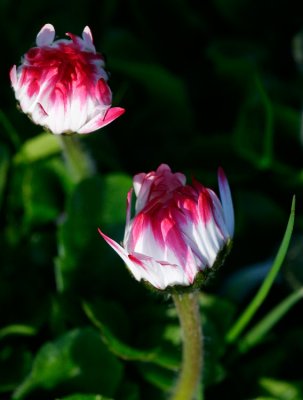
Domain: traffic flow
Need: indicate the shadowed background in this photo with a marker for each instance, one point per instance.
(203, 84)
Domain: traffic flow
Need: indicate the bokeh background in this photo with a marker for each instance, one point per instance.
(204, 84)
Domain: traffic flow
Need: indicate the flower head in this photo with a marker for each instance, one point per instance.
(178, 231)
(62, 84)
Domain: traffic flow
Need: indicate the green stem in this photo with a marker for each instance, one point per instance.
(187, 305)
(78, 161)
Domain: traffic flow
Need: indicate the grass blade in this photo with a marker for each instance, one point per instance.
(257, 333)
(250, 311)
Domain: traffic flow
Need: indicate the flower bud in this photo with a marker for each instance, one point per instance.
(62, 84)
(179, 232)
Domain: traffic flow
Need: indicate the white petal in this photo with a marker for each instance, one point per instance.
(78, 112)
(128, 207)
(88, 39)
(137, 182)
(142, 190)
(13, 76)
(226, 200)
(56, 115)
(219, 215)
(39, 115)
(161, 275)
(46, 35)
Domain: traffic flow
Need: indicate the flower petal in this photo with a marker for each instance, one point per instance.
(226, 201)
(100, 121)
(88, 39)
(13, 76)
(46, 35)
(142, 184)
(159, 274)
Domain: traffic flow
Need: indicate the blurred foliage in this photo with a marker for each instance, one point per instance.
(204, 84)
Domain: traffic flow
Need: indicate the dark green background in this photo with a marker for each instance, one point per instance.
(204, 84)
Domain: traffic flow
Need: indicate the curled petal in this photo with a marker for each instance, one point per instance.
(100, 121)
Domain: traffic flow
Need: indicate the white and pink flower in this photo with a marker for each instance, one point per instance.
(62, 84)
(178, 230)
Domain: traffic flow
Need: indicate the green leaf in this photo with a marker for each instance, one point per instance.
(129, 390)
(266, 398)
(157, 376)
(218, 310)
(126, 352)
(235, 60)
(95, 202)
(282, 390)
(22, 330)
(40, 189)
(84, 397)
(9, 130)
(260, 296)
(116, 187)
(253, 135)
(233, 10)
(162, 85)
(77, 361)
(288, 119)
(4, 164)
(37, 148)
(15, 362)
(217, 315)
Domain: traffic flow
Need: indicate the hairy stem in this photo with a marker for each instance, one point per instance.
(77, 160)
(187, 305)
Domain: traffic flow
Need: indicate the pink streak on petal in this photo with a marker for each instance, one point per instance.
(136, 261)
(33, 88)
(186, 202)
(205, 206)
(226, 200)
(138, 229)
(42, 110)
(103, 92)
(178, 248)
(46, 35)
(77, 41)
